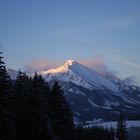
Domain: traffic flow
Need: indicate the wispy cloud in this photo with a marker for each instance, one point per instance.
(41, 64)
(97, 63)
(130, 63)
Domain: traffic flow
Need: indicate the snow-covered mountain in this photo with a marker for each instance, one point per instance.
(80, 75)
(94, 95)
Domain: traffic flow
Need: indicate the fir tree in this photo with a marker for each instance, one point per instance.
(23, 98)
(41, 91)
(121, 133)
(46, 110)
(32, 108)
(7, 129)
(62, 116)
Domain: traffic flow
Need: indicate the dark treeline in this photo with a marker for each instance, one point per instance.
(30, 109)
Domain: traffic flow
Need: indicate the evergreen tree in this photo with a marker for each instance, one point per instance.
(112, 134)
(46, 110)
(7, 115)
(32, 117)
(41, 91)
(23, 103)
(121, 133)
(62, 116)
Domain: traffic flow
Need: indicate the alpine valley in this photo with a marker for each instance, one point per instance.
(94, 95)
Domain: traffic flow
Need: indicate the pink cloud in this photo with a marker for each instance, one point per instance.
(97, 63)
(41, 64)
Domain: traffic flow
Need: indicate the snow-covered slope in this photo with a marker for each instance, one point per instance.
(131, 123)
(92, 94)
(80, 75)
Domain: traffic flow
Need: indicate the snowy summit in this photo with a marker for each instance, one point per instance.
(73, 71)
(63, 68)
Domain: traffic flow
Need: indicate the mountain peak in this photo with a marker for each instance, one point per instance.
(80, 75)
(63, 68)
(69, 62)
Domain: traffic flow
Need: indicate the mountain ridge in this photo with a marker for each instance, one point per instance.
(91, 94)
(73, 68)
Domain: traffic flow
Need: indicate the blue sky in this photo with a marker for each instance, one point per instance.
(57, 30)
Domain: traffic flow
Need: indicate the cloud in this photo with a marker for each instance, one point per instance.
(97, 63)
(129, 63)
(40, 65)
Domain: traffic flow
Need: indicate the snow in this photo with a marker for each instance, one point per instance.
(71, 103)
(71, 90)
(127, 100)
(77, 113)
(80, 75)
(61, 69)
(92, 76)
(82, 94)
(107, 107)
(67, 76)
(129, 124)
(128, 106)
(92, 103)
(109, 103)
(99, 120)
(78, 92)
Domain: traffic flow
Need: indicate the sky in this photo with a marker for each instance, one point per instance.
(38, 34)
